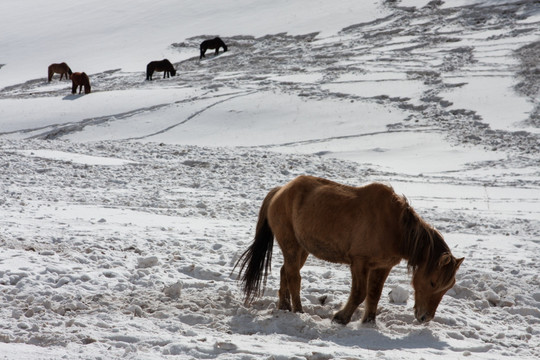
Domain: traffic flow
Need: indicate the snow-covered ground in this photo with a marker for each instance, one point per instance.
(123, 211)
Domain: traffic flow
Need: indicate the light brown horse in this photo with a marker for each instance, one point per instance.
(80, 80)
(62, 69)
(370, 228)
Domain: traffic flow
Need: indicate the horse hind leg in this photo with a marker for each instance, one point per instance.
(284, 293)
(289, 291)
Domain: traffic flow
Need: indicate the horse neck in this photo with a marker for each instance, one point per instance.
(421, 244)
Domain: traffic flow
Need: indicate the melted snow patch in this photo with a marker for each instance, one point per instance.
(75, 158)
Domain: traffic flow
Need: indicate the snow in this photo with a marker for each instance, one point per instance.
(124, 211)
(75, 158)
(502, 108)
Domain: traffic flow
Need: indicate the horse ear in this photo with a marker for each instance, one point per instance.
(445, 259)
(458, 262)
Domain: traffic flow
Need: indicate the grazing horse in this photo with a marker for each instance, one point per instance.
(215, 43)
(62, 69)
(370, 228)
(164, 66)
(80, 80)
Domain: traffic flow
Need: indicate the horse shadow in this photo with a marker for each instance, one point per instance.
(72, 97)
(366, 336)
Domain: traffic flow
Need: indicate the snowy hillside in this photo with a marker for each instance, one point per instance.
(123, 211)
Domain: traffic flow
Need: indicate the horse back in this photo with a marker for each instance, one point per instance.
(159, 65)
(212, 43)
(207, 44)
(337, 222)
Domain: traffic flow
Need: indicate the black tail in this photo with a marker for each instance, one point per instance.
(255, 262)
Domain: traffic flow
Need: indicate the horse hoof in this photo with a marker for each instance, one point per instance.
(340, 319)
(368, 320)
(285, 306)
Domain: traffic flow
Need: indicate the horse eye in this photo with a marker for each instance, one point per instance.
(432, 284)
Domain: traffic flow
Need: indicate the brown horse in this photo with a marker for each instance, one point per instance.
(62, 69)
(164, 66)
(215, 43)
(80, 80)
(370, 228)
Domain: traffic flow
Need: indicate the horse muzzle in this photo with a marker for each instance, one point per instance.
(422, 316)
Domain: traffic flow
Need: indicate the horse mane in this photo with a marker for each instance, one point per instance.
(421, 243)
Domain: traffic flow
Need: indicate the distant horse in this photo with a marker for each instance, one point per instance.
(164, 66)
(62, 69)
(215, 43)
(80, 80)
(370, 228)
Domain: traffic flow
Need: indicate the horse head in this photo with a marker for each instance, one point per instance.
(218, 42)
(431, 283)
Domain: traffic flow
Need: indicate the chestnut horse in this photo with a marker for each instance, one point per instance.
(80, 80)
(370, 228)
(62, 69)
(164, 66)
(215, 43)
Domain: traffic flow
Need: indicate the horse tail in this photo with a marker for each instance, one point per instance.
(50, 72)
(255, 262)
(149, 71)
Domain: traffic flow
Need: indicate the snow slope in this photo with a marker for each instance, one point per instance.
(124, 211)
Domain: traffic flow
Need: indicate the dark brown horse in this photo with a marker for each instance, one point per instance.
(62, 69)
(80, 80)
(164, 66)
(370, 228)
(215, 43)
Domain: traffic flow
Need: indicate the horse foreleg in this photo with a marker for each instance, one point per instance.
(202, 54)
(358, 293)
(74, 88)
(375, 285)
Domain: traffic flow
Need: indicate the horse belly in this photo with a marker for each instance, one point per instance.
(332, 250)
